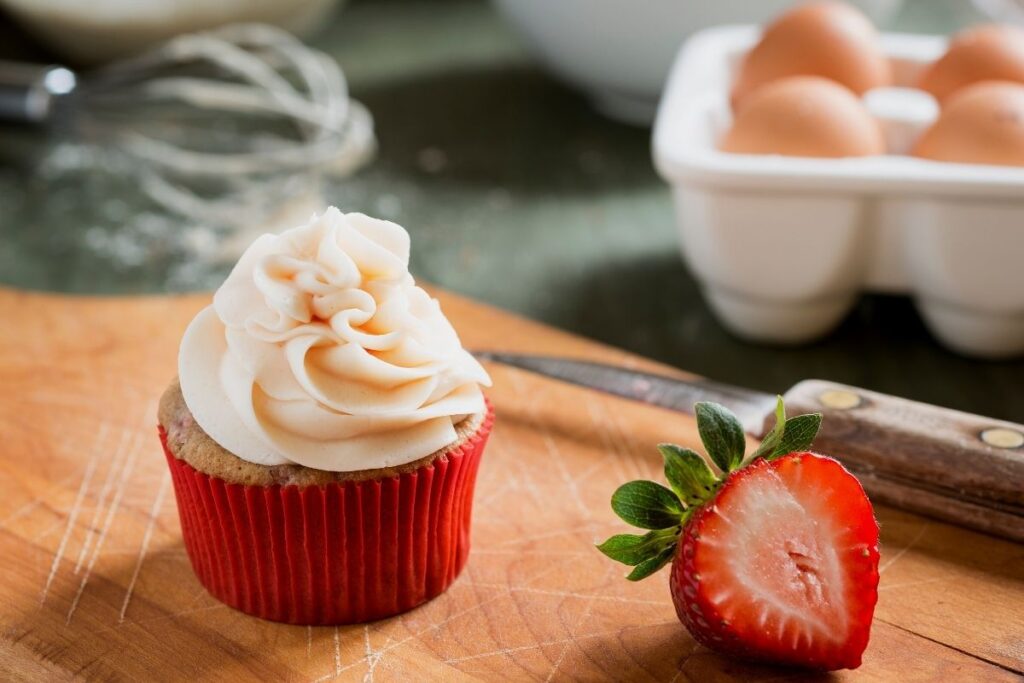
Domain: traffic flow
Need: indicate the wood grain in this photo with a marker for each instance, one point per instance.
(97, 584)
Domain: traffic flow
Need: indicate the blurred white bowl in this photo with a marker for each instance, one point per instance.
(619, 51)
(101, 30)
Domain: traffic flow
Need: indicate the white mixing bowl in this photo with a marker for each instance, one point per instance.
(101, 30)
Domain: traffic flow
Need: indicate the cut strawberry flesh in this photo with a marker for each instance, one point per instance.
(782, 564)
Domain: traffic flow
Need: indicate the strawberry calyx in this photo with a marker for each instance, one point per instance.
(664, 511)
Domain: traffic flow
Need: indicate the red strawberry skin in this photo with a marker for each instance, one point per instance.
(782, 566)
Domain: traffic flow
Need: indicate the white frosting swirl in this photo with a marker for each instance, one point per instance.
(319, 349)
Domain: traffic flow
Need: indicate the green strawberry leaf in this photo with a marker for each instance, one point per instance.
(632, 550)
(687, 474)
(647, 505)
(722, 435)
(773, 438)
(799, 434)
(665, 512)
(648, 567)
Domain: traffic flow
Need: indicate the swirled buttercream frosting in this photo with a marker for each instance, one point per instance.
(320, 350)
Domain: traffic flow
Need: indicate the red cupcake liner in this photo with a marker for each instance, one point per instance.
(342, 553)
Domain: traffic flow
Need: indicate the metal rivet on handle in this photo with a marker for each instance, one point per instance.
(839, 399)
(1001, 437)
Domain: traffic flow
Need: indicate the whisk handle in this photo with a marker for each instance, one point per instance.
(28, 91)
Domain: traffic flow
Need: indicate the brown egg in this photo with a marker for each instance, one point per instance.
(993, 52)
(828, 39)
(980, 124)
(804, 116)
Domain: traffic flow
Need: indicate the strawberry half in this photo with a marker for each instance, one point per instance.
(775, 562)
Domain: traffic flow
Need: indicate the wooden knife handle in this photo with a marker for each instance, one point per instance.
(958, 467)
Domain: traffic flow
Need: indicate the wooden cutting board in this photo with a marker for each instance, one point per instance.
(96, 582)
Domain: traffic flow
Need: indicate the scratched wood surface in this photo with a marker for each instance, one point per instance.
(95, 581)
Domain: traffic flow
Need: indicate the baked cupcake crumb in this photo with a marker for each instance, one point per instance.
(187, 441)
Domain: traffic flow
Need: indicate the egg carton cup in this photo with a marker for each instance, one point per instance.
(783, 246)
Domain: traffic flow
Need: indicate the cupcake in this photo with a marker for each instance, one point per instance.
(325, 430)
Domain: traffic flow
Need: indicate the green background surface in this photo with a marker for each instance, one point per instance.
(516, 193)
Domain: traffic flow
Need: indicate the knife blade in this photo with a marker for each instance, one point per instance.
(750, 406)
(954, 466)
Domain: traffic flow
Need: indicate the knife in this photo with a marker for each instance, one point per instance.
(943, 463)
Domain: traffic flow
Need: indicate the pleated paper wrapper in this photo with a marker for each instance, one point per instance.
(343, 553)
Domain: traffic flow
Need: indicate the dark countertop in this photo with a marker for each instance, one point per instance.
(516, 193)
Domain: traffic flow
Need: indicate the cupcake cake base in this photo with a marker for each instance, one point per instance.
(304, 546)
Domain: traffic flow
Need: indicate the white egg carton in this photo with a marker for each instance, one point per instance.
(783, 246)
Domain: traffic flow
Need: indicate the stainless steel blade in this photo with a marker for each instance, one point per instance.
(750, 406)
